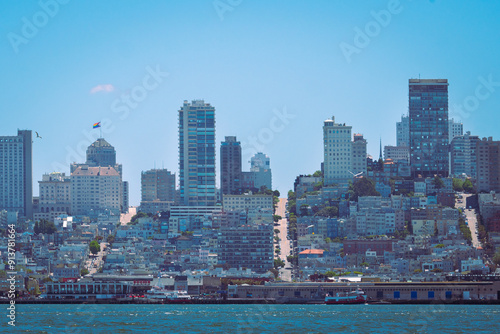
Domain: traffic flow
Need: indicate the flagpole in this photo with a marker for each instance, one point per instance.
(100, 130)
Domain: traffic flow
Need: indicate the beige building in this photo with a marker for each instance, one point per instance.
(95, 189)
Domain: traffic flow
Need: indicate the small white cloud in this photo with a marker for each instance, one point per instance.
(102, 88)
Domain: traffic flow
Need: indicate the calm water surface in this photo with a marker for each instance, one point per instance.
(255, 319)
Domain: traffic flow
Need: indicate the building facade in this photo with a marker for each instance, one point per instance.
(197, 153)
(358, 154)
(488, 165)
(230, 166)
(102, 154)
(247, 246)
(455, 129)
(397, 153)
(403, 131)
(429, 126)
(463, 158)
(95, 189)
(337, 160)
(157, 185)
(16, 173)
(54, 195)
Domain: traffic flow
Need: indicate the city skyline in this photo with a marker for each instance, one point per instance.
(267, 88)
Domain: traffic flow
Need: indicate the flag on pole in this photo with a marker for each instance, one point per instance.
(96, 125)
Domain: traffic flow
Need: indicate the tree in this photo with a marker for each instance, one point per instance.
(363, 187)
(110, 239)
(496, 258)
(318, 174)
(45, 227)
(276, 193)
(94, 247)
(276, 231)
(291, 195)
(468, 187)
(136, 217)
(293, 259)
(329, 211)
(278, 263)
(84, 272)
(458, 185)
(276, 218)
(437, 182)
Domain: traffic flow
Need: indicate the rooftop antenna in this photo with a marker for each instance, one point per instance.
(380, 156)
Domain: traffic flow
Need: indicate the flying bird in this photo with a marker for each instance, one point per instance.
(37, 135)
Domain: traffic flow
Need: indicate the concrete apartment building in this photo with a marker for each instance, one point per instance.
(337, 161)
(16, 173)
(54, 195)
(359, 154)
(488, 165)
(463, 155)
(247, 201)
(157, 190)
(95, 189)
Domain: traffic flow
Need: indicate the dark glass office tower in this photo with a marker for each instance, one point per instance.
(230, 166)
(429, 140)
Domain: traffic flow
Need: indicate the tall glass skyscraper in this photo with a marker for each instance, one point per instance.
(429, 140)
(197, 153)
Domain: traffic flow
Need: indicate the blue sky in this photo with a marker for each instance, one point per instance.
(251, 60)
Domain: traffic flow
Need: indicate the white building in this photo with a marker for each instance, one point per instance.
(16, 177)
(246, 202)
(358, 154)
(95, 189)
(337, 160)
(55, 195)
(403, 132)
(455, 129)
(397, 153)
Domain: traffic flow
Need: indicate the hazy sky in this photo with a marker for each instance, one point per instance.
(274, 71)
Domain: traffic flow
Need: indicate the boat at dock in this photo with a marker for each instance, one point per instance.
(352, 297)
(171, 297)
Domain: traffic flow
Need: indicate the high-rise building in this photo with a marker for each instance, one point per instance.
(16, 173)
(230, 166)
(197, 154)
(429, 139)
(95, 190)
(403, 131)
(260, 172)
(488, 165)
(337, 153)
(463, 155)
(358, 154)
(157, 185)
(103, 154)
(455, 129)
(54, 196)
